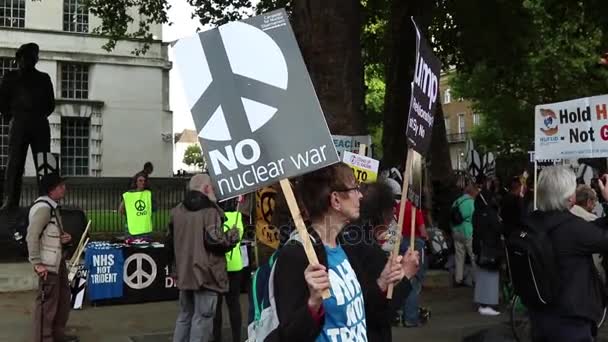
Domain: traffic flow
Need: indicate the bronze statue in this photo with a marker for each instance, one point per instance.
(26, 99)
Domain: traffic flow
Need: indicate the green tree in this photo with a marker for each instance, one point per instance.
(194, 156)
(516, 55)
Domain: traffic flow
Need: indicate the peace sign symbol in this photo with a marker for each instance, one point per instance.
(232, 78)
(140, 278)
(140, 205)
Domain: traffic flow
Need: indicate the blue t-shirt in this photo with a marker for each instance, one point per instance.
(344, 310)
(104, 263)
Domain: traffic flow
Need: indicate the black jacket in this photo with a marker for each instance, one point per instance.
(574, 240)
(512, 212)
(26, 96)
(291, 292)
(487, 230)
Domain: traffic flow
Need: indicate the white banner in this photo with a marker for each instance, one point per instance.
(365, 168)
(351, 143)
(572, 129)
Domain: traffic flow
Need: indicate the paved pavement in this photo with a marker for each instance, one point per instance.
(453, 317)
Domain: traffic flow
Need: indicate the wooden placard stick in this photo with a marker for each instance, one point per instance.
(413, 217)
(413, 227)
(362, 149)
(80, 243)
(300, 226)
(404, 187)
(535, 180)
(73, 267)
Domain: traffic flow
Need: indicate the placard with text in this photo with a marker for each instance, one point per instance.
(572, 129)
(253, 104)
(365, 168)
(424, 98)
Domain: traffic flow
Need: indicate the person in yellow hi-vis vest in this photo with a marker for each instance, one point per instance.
(234, 264)
(137, 205)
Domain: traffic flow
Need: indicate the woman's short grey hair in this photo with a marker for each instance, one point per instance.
(556, 185)
(585, 193)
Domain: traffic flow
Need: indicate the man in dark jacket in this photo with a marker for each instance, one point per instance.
(26, 99)
(200, 245)
(581, 300)
(512, 209)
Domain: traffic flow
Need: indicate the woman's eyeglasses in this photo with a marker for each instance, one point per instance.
(357, 188)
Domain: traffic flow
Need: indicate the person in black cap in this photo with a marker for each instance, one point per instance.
(26, 99)
(45, 241)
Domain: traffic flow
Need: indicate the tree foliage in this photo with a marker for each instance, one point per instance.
(518, 54)
(115, 20)
(194, 156)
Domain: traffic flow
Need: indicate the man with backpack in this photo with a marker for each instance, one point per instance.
(461, 219)
(45, 240)
(552, 266)
(200, 246)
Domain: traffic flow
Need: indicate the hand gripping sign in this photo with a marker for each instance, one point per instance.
(254, 107)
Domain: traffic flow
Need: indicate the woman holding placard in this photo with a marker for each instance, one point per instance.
(357, 308)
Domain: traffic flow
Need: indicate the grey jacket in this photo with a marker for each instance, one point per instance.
(200, 244)
(44, 235)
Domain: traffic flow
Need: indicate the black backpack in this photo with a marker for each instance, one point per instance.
(455, 214)
(533, 265)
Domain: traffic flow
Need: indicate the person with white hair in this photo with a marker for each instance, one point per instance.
(580, 300)
(584, 203)
(199, 243)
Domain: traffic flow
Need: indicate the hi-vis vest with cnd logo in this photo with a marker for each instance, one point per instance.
(234, 260)
(138, 206)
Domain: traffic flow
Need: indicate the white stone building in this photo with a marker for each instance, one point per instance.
(185, 139)
(112, 108)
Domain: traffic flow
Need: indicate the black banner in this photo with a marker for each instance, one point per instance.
(146, 277)
(424, 99)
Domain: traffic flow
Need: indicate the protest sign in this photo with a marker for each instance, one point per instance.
(265, 200)
(105, 271)
(365, 169)
(423, 100)
(572, 129)
(253, 104)
(351, 143)
(414, 193)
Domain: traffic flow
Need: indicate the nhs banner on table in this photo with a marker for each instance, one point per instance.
(572, 129)
(253, 104)
(425, 90)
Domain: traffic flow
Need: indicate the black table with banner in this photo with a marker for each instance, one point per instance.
(144, 273)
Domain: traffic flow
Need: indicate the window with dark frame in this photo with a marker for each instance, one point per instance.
(6, 64)
(74, 81)
(75, 16)
(12, 13)
(75, 137)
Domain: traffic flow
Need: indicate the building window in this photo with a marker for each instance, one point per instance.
(476, 119)
(447, 97)
(75, 16)
(461, 123)
(447, 125)
(12, 13)
(74, 81)
(75, 133)
(6, 64)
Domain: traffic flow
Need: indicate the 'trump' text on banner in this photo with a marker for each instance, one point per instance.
(423, 101)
